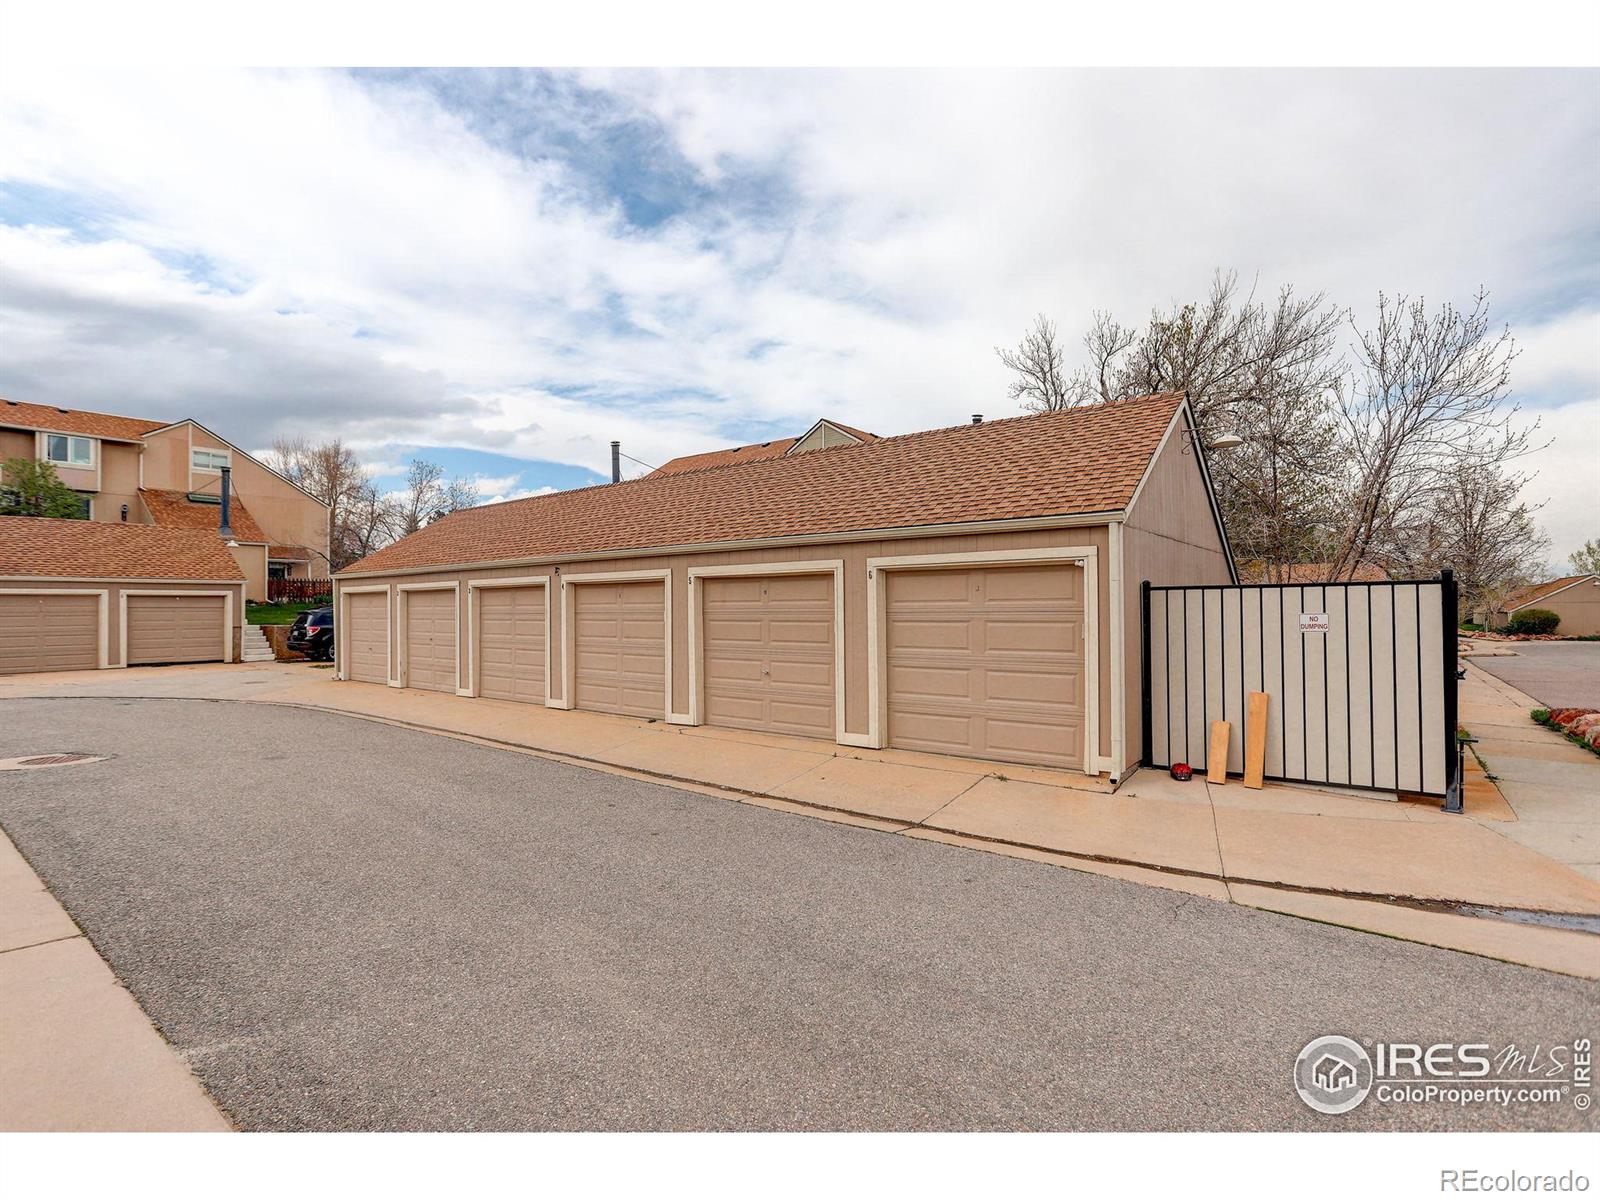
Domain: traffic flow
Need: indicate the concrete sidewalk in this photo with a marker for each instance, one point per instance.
(77, 1054)
(1330, 855)
(1552, 786)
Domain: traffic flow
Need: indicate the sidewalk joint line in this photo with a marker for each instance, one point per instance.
(66, 937)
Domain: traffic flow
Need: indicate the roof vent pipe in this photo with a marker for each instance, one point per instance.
(616, 462)
(977, 418)
(227, 488)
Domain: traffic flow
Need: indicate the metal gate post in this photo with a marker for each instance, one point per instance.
(1144, 673)
(1453, 750)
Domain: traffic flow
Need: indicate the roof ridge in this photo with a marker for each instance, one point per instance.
(90, 412)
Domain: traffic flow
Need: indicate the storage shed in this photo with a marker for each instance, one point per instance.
(970, 590)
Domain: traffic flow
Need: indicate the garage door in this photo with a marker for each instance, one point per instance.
(367, 639)
(174, 629)
(431, 640)
(620, 658)
(988, 663)
(511, 643)
(768, 657)
(49, 633)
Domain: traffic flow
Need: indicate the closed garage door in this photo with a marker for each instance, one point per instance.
(367, 639)
(174, 629)
(768, 658)
(511, 643)
(49, 633)
(620, 659)
(431, 640)
(988, 663)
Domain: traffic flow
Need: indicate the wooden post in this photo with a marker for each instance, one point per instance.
(1217, 758)
(1255, 740)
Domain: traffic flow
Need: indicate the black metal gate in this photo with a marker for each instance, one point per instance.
(1361, 679)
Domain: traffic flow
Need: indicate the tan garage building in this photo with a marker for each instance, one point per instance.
(87, 595)
(971, 590)
(1573, 598)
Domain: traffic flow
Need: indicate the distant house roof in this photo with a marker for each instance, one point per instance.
(289, 553)
(1256, 571)
(755, 452)
(18, 414)
(1539, 591)
(177, 511)
(1081, 460)
(44, 547)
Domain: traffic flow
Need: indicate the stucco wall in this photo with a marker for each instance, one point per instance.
(854, 555)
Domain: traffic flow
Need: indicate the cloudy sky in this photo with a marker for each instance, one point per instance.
(503, 271)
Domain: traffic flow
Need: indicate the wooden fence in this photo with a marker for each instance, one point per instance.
(299, 591)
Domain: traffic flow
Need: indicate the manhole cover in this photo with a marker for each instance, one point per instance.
(34, 762)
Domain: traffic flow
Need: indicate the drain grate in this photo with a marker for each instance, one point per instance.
(34, 762)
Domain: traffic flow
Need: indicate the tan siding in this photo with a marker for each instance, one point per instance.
(367, 637)
(430, 624)
(115, 588)
(511, 644)
(119, 483)
(1170, 537)
(174, 629)
(619, 649)
(1578, 607)
(854, 556)
(768, 651)
(988, 662)
(48, 633)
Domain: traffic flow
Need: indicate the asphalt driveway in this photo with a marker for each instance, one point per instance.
(1557, 674)
(345, 925)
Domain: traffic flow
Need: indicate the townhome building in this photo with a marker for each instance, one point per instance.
(134, 471)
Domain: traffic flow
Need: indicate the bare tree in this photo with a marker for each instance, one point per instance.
(1428, 399)
(332, 473)
(427, 497)
(1041, 383)
(1476, 523)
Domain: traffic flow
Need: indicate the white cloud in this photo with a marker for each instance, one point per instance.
(1564, 475)
(516, 495)
(298, 252)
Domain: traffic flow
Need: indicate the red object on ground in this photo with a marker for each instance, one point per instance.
(1182, 771)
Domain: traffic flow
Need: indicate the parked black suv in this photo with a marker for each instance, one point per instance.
(312, 634)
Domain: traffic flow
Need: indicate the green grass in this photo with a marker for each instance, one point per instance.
(274, 614)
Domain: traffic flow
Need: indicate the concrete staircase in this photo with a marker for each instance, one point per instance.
(256, 646)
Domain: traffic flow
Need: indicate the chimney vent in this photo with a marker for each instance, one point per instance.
(977, 418)
(226, 529)
(616, 462)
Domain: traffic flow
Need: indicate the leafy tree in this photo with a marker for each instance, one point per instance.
(1586, 561)
(29, 488)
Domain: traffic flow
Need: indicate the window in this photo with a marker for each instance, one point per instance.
(210, 460)
(69, 451)
(88, 507)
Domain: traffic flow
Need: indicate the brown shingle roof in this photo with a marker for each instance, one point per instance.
(289, 553)
(1078, 461)
(176, 511)
(756, 452)
(1539, 591)
(106, 550)
(19, 414)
